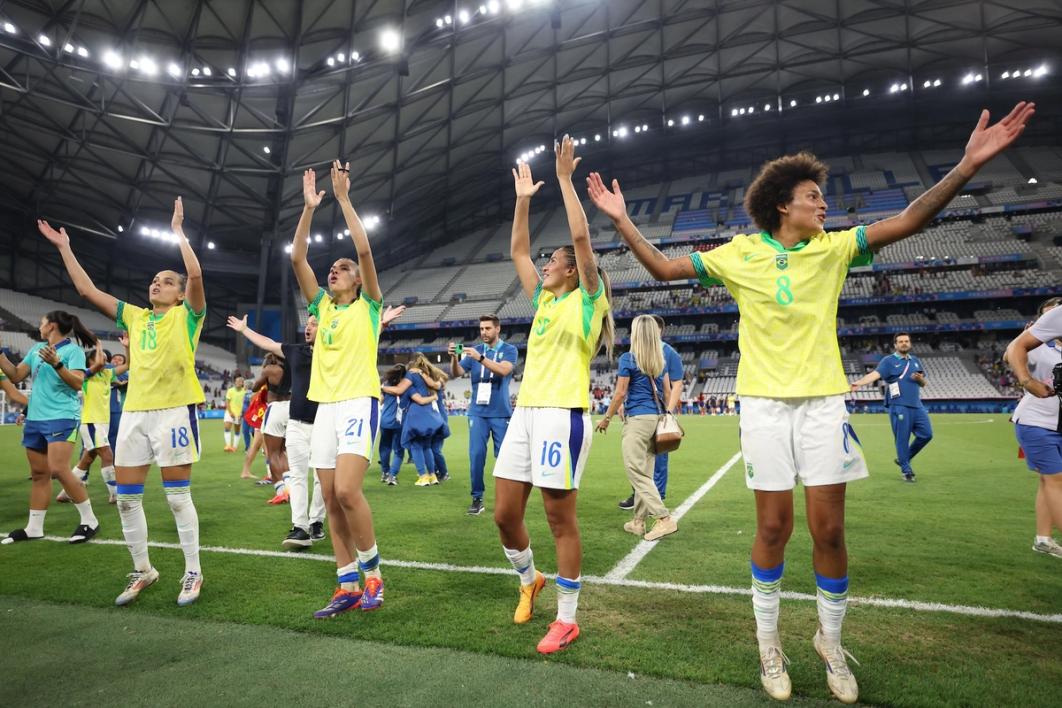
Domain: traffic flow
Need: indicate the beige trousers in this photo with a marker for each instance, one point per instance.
(639, 457)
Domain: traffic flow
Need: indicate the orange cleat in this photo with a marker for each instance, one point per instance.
(281, 498)
(525, 609)
(560, 636)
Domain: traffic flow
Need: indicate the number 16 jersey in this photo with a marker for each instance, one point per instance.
(787, 304)
(161, 356)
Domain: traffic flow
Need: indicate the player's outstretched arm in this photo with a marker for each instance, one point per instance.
(13, 394)
(865, 381)
(194, 292)
(124, 367)
(107, 304)
(520, 244)
(567, 163)
(370, 284)
(259, 340)
(300, 244)
(985, 143)
(611, 204)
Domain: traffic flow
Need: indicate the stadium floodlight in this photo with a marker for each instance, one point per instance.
(903, 87)
(463, 16)
(837, 97)
(741, 111)
(894, 88)
(927, 84)
(287, 248)
(266, 149)
(483, 9)
(390, 40)
(341, 57)
(68, 48)
(173, 69)
(82, 52)
(210, 245)
(346, 232)
(733, 112)
(1005, 75)
(685, 120)
(112, 60)
(439, 22)
(623, 131)
(597, 138)
(582, 141)
(515, 5)
(354, 56)
(1027, 72)
(645, 128)
(700, 118)
(818, 99)
(44, 40)
(195, 72)
(331, 61)
(670, 123)
(494, 7)
(231, 71)
(282, 65)
(979, 78)
(637, 129)
(448, 19)
(766, 107)
(318, 238)
(1040, 71)
(120, 228)
(10, 28)
(134, 64)
(145, 231)
(866, 92)
(936, 83)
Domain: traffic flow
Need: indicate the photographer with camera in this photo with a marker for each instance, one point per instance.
(1035, 357)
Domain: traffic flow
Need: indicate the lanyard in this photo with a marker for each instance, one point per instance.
(904, 372)
(497, 358)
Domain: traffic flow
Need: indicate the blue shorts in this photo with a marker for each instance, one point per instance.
(1043, 448)
(38, 434)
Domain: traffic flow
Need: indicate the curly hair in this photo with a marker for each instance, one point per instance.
(774, 186)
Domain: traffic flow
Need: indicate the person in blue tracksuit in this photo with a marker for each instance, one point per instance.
(904, 377)
(439, 460)
(421, 420)
(391, 427)
(490, 365)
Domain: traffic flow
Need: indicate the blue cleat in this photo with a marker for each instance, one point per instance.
(342, 601)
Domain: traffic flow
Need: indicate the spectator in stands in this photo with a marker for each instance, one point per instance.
(490, 365)
(791, 377)
(1033, 356)
(671, 397)
(904, 377)
(57, 369)
(642, 386)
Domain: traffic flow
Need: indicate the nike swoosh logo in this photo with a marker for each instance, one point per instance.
(848, 464)
(749, 257)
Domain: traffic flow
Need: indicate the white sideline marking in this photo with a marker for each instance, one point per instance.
(632, 559)
(889, 603)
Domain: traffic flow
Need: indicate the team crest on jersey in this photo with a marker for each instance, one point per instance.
(335, 323)
(781, 261)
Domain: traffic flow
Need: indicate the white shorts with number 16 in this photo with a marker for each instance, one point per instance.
(546, 447)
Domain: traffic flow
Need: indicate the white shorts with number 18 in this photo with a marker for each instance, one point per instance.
(167, 437)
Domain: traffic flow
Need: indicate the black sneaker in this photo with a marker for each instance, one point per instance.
(296, 539)
(442, 477)
(317, 530)
(83, 533)
(392, 481)
(627, 504)
(909, 477)
(476, 507)
(19, 535)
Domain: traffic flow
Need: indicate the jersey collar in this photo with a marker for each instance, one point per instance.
(62, 343)
(769, 240)
(900, 356)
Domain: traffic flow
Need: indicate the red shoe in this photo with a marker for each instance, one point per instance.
(560, 636)
(281, 498)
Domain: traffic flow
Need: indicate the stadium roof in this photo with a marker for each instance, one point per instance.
(110, 108)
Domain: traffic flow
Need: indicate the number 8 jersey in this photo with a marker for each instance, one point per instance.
(787, 304)
(161, 356)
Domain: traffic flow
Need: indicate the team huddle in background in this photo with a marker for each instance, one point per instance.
(327, 407)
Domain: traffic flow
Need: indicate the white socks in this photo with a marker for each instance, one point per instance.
(369, 562)
(134, 523)
(87, 517)
(348, 576)
(179, 497)
(832, 602)
(568, 598)
(523, 563)
(35, 525)
(766, 597)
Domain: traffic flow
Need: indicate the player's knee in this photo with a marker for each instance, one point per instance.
(348, 497)
(774, 532)
(828, 535)
(39, 474)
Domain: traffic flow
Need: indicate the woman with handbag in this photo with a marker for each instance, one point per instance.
(640, 385)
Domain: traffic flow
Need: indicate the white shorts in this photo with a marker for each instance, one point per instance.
(95, 435)
(546, 447)
(166, 437)
(276, 419)
(230, 419)
(784, 440)
(344, 428)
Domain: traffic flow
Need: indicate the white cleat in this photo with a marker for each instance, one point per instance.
(190, 586)
(138, 580)
(838, 676)
(773, 673)
(1051, 548)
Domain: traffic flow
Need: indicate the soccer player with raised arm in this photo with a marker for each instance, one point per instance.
(159, 423)
(786, 281)
(346, 386)
(548, 439)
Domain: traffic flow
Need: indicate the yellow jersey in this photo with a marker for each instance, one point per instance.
(561, 344)
(344, 355)
(96, 408)
(234, 401)
(161, 356)
(787, 305)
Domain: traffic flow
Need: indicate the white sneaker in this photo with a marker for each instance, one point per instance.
(190, 586)
(838, 676)
(138, 580)
(773, 673)
(1050, 547)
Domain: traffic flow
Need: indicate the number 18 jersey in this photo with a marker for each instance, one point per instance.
(161, 356)
(787, 304)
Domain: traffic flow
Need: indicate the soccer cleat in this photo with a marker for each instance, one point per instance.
(191, 584)
(266, 481)
(662, 527)
(373, 596)
(83, 533)
(560, 636)
(317, 531)
(19, 535)
(525, 608)
(423, 480)
(627, 504)
(342, 601)
(773, 673)
(138, 580)
(392, 480)
(838, 676)
(635, 526)
(443, 477)
(280, 498)
(1050, 547)
(475, 508)
(297, 539)
(909, 477)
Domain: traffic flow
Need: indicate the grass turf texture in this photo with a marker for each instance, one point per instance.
(961, 535)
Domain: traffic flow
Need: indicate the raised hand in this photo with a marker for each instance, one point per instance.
(57, 238)
(611, 203)
(988, 141)
(525, 184)
(236, 323)
(100, 359)
(567, 162)
(177, 221)
(310, 196)
(340, 179)
(123, 339)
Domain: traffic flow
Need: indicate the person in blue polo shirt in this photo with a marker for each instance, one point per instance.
(490, 365)
(904, 378)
